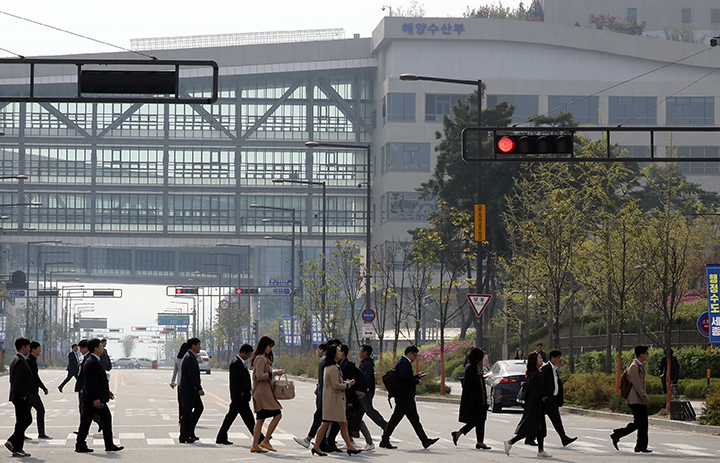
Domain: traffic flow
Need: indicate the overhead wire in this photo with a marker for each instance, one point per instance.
(72, 33)
(623, 83)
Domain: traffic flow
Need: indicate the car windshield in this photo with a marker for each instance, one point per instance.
(515, 368)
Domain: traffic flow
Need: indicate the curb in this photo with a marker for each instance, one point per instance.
(656, 422)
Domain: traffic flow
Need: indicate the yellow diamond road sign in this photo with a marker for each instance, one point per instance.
(479, 302)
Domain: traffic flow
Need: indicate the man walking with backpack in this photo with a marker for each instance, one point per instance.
(405, 405)
(638, 401)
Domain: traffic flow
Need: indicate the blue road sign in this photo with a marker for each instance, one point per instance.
(703, 324)
(280, 282)
(17, 293)
(282, 291)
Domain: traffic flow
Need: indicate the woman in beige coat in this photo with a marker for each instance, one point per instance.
(264, 401)
(333, 401)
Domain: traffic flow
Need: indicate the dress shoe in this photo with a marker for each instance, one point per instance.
(20, 453)
(254, 450)
(530, 442)
(114, 448)
(9, 446)
(27, 438)
(615, 439)
(455, 437)
(482, 446)
(267, 447)
(84, 450)
(44, 436)
(223, 442)
(353, 452)
(319, 453)
(387, 445)
(643, 451)
(568, 440)
(60, 389)
(430, 442)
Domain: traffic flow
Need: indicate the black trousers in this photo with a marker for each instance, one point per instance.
(553, 412)
(37, 403)
(405, 407)
(67, 378)
(479, 424)
(81, 406)
(89, 413)
(639, 424)
(371, 412)
(242, 408)
(317, 422)
(192, 408)
(23, 420)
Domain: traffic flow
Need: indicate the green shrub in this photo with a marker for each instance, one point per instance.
(653, 385)
(452, 365)
(595, 328)
(619, 405)
(589, 390)
(458, 373)
(711, 410)
(429, 387)
(695, 389)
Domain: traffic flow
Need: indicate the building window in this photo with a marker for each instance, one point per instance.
(400, 107)
(437, 105)
(698, 168)
(690, 111)
(585, 110)
(632, 15)
(406, 157)
(628, 110)
(525, 105)
(686, 15)
(715, 15)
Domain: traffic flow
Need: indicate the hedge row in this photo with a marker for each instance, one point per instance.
(692, 360)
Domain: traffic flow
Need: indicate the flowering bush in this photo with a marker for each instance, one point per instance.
(450, 347)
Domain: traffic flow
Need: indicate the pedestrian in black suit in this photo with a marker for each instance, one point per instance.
(72, 366)
(473, 402)
(367, 366)
(540, 352)
(191, 391)
(674, 371)
(95, 395)
(36, 402)
(405, 405)
(532, 423)
(554, 395)
(22, 389)
(105, 358)
(240, 387)
(80, 381)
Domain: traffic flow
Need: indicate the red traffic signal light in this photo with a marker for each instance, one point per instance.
(238, 291)
(247, 290)
(186, 291)
(534, 144)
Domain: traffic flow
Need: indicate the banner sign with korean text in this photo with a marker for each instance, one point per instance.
(713, 285)
(290, 331)
(316, 325)
(3, 326)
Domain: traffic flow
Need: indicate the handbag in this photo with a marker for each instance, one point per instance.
(522, 394)
(283, 389)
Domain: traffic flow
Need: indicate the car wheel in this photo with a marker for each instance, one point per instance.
(130, 365)
(496, 407)
(138, 366)
(208, 372)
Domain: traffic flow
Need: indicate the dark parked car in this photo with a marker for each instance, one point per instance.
(504, 381)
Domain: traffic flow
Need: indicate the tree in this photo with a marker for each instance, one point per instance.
(384, 259)
(420, 277)
(682, 33)
(226, 329)
(348, 273)
(312, 303)
(414, 10)
(128, 345)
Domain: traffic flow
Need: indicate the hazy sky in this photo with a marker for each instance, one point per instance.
(118, 22)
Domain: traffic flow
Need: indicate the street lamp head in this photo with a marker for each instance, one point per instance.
(254, 205)
(268, 237)
(408, 77)
(312, 144)
(36, 203)
(266, 220)
(21, 177)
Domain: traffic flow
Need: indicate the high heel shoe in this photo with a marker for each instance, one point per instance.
(319, 453)
(353, 452)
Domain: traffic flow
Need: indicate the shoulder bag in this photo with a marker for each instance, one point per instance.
(283, 389)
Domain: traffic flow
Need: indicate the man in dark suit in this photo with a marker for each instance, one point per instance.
(554, 395)
(80, 381)
(22, 389)
(36, 402)
(72, 367)
(240, 387)
(105, 358)
(674, 371)
(191, 390)
(96, 394)
(540, 352)
(405, 405)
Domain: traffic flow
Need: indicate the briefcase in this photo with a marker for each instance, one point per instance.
(284, 389)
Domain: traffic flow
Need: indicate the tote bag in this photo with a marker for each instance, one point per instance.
(284, 389)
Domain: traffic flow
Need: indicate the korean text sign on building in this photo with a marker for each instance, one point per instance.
(713, 285)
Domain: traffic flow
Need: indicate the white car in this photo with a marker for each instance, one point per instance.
(204, 361)
(125, 362)
(143, 363)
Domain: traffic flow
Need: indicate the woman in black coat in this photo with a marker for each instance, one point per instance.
(532, 423)
(473, 403)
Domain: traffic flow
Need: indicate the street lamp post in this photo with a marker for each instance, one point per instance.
(27, 311)
(324, 231)
(368, 149)
(478, 84)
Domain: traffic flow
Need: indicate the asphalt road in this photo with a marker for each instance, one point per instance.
(145, 421)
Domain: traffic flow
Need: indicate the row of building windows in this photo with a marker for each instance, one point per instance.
(685, 15)
(400, 107)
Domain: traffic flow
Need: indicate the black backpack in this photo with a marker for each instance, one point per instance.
(361, 384)
(392, 383)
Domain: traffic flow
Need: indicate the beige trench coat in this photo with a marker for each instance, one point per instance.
(262, 393)
(333, 400)
(636, 375)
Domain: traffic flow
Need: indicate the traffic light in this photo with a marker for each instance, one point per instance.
(533, 144)
(193, 290)
(103, 293)
(247, 290)
(48, 292)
